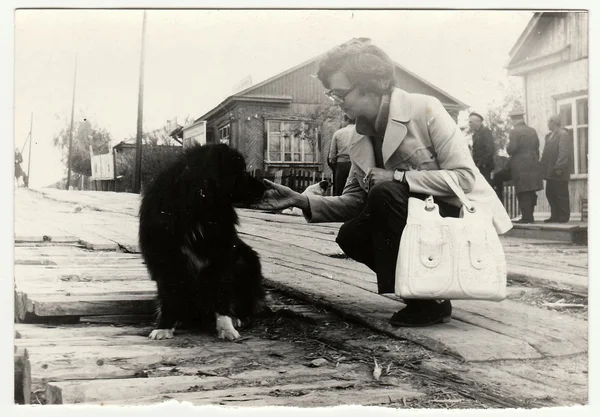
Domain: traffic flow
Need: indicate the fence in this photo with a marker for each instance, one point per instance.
(511, 204)
(296, 179)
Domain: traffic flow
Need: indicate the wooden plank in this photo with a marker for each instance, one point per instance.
(277, 237)
(327, 235)
(95, 391)
(460, 339)
(77, 288)
(22, 376)
(60, 306)
(326, 393)
(283, 219)
(81, 274)
(522, 384)
(191, 354)
(549, 332)
(38, 331)
(131, 260)
(578, 285)
(313, 228)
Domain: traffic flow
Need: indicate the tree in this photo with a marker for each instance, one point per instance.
(497, 118)
(85, 134)
(321, 123)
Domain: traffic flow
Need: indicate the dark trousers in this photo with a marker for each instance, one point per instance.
(557, 193)
(342, 169)
(373, 238)
(527, 202)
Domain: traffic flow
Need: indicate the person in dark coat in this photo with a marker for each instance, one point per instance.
(524, 150)
(556, 167)
(483, 146)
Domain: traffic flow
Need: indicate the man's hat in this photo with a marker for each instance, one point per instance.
(516, 112)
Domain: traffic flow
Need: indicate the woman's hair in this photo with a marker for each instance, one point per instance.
(367, 67)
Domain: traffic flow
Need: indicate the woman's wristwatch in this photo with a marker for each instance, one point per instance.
(400, 176)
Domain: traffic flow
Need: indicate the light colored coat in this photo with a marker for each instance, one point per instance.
(421, 138)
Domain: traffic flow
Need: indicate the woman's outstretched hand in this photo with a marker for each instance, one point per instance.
(279, 197)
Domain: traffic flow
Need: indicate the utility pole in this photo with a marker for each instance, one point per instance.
(71, 130)
(29, 158)
(137, 184)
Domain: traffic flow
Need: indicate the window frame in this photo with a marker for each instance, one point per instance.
(303, 146)
(221, 129)
(574, 128)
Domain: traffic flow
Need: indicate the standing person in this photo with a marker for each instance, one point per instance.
(556, 164)
(339, 157)
(408, 139)
(525, 172)
(483, 145)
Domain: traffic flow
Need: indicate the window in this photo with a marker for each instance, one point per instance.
(574, 116)
(224, 133)
(291, 142)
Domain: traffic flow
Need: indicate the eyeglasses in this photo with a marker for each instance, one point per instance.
(339, 96)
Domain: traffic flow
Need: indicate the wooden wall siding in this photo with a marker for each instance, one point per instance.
(557, 30)
(551, 39)
(299, 84)
(578, 34)
(252, 140)
(542, 85)
(577, 191)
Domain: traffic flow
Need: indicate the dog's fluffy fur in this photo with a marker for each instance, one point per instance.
(314, 189)
(205, 275)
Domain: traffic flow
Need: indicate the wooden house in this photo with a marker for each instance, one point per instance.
(268, 122)
(551, 56)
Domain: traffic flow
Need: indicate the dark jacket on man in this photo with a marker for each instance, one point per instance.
(483, 151)
(524, 151)
(557, 160)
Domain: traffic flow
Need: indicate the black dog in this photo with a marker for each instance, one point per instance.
(189, 242)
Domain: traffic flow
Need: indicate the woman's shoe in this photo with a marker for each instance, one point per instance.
(422, 313)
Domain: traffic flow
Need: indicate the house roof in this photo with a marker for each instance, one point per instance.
(245, 94)
(524, 56)
(525, 34)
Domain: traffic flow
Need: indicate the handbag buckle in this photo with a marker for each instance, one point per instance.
(429, 204)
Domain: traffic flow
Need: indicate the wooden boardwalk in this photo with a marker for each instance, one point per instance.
(77, 261)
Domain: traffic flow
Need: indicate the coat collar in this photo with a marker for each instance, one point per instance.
(361, 151)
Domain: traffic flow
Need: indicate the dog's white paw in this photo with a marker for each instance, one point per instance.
(225, 329)
(159, 334)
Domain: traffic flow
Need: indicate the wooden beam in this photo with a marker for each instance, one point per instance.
(127, 390)
(60, 306)
(22, 376)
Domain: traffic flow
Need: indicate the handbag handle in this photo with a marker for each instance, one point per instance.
(452, 183)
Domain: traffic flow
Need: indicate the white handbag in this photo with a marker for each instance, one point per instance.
(450, 258)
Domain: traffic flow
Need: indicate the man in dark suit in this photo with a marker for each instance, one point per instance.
(483, 145)
(556, 164)
(524, 150)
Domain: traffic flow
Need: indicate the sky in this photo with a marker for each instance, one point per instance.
(195, 57)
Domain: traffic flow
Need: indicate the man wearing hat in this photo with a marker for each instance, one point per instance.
(524, 151)
(483, 145)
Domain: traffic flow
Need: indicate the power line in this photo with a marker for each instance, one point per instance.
(137, 184)
(71, 129)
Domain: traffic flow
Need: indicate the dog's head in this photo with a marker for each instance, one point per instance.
(316, 189)
(224, 169)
